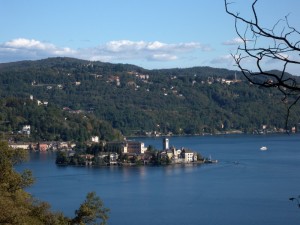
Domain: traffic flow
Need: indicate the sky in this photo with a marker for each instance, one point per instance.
(153, 34)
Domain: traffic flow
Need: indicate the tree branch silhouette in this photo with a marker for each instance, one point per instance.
(279, 44)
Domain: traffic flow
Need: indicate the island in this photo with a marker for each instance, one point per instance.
(128, 153)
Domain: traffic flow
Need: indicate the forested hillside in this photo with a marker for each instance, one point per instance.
(50, 123)
(137, 101)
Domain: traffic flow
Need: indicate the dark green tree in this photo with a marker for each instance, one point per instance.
(62, 158)
(92, 211)
(19, 207)
(10, 180)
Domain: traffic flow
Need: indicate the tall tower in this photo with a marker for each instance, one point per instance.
(165, 143)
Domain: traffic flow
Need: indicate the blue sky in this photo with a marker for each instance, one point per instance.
(149, 33)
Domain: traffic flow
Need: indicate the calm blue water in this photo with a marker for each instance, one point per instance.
(254, 191)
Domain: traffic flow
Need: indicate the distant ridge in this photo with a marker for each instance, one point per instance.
(138, 101)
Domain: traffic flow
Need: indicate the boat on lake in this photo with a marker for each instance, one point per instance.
(263, 148)
(210, 160)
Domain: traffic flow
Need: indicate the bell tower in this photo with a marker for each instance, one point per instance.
(165, 143)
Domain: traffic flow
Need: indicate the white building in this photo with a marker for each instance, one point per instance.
(113, 157)
(25, 146)
(95, 139)
(189, 156)
(26, 129)
(134, 147)
(165, 143)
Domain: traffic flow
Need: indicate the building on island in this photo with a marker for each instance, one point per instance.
(165, 143)
(126, 147)
(133, 153)
(179, 155)
(134, 147)
(189, 156)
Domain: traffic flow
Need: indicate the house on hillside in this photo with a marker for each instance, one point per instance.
(20, 145)
(63, 145)
(95, 139)
(26, 129)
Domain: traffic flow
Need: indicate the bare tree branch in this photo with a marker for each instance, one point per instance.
(262, 45)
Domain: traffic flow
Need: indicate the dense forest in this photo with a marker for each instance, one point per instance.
(50, 123)
(66, 98)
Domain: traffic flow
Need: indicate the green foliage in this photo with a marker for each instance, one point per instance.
(91, 211)
(180, 101)
(51, 123)
(19, 207)
(62, 158)
(199, 157)
(10, 180)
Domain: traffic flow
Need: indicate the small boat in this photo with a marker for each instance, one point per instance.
(209, 160)
(263, 148)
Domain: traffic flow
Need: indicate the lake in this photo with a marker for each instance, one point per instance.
(248, 186)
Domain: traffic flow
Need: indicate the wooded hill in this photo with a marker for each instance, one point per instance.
(137, 101)
(50, 123)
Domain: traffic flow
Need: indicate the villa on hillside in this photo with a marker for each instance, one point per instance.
(20, 145)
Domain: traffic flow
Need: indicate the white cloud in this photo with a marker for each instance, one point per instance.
(142, 46)
(21, 49)
(155, 45)
(163, 57)
(27, 44)
(121, 46)
(118, 50)
(235, 41)
(63, 51)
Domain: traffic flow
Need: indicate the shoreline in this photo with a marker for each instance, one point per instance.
(120, 165)
(211, 134)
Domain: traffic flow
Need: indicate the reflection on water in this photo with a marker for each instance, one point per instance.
(247, 186)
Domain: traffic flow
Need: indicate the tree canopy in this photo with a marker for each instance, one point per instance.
(94, 96)
(19, 207)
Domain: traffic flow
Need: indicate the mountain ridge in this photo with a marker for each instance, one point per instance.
(138, 101)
